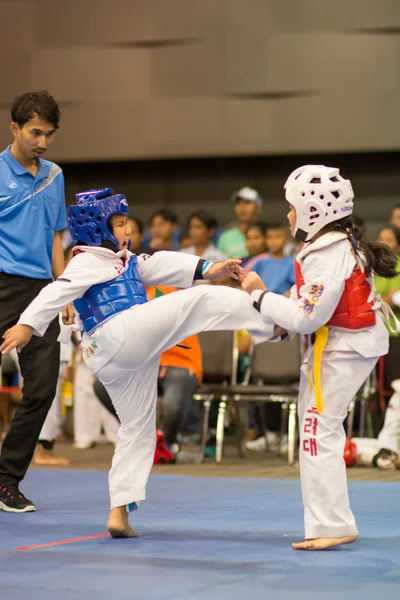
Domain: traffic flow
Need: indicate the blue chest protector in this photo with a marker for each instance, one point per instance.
(104, 300)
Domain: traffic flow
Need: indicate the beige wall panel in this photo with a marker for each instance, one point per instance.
(396, 18)
(88, 22)
(93, 73)
(332, 61)
(265, 16)
(183, 126)
(249, 16)
(104, 131)
(246, 125)
(336, 123)
(180, 19)
(14, 75)
(245, 63)
(5, 134)
(190, 70)
(308, 62)
(325, 15)
(17, 19)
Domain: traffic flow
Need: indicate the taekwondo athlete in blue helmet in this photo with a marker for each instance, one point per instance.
(124, 335)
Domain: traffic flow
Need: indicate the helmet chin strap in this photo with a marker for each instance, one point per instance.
(300, 235)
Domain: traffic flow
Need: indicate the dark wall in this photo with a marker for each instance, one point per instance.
(186, 185)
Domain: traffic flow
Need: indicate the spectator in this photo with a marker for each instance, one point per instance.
(276, 271)
(387, 288)
(256, 245)
(52, 426)
(32, 217)
(163, 227)
(382, 452)
(90, 416)
(395, 218)
(248, 203)
(202, 226)
(137, 237)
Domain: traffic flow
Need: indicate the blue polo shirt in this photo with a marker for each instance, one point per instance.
(32, 209)
(276, 273)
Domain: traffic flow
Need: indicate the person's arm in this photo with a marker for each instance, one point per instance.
(58, 262)
(83, 271)
(181, 270)
(324, 275)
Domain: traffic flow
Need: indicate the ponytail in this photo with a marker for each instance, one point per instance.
(380, 258)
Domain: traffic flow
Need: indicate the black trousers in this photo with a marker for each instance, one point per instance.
(39, 362)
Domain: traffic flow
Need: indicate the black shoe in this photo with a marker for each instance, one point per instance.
(11, 500)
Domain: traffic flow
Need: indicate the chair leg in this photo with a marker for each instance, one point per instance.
(263, 425)
(220, 429)
(292, 432)
(350, 419)
(240, 431)
(284, 420)
(206, 419)
(363, 410)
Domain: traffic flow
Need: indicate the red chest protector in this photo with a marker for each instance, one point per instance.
(353, 310)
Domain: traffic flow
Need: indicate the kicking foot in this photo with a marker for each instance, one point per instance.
(118, 523)
(323, 543)
(46, 457)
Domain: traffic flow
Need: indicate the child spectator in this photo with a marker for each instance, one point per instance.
(202, 226)
(256, 245)
(276, 271)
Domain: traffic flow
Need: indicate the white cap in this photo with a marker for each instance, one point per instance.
(249, 194)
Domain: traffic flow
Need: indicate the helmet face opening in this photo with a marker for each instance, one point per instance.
(320, 196)
(88, 218)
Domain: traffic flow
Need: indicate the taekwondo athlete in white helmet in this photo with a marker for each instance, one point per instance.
(124, 335)
(334, 303)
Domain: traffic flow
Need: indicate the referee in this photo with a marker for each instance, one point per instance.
(32, 216)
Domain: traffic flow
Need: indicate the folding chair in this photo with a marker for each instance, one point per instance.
(275, 374)
(220, 356)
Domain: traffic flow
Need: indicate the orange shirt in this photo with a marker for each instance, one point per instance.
(191, 358)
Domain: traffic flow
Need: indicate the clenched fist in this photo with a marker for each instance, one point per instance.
(253, 282)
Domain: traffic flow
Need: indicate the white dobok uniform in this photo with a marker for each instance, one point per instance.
(347, 360)
(124, 351)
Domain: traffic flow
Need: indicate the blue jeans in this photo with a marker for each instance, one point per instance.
(177, 387)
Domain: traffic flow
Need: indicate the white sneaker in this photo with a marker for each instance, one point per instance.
(260, 444)
(84, 445)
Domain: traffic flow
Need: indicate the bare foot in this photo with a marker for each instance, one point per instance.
(118, 523)
(46, 457)
(324, 543)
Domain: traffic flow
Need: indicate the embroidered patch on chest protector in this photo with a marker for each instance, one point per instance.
(90, 351)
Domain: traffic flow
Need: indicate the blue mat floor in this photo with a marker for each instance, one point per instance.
(200, 538)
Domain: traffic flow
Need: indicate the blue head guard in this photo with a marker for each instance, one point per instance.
(88, 218)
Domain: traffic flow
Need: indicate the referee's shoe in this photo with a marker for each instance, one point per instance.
(11, 500)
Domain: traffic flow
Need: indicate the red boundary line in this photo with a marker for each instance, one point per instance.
(80, 539)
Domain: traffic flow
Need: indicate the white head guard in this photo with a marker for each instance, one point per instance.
(320, 196)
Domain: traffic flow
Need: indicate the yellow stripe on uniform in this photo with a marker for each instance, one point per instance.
(321, 337)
